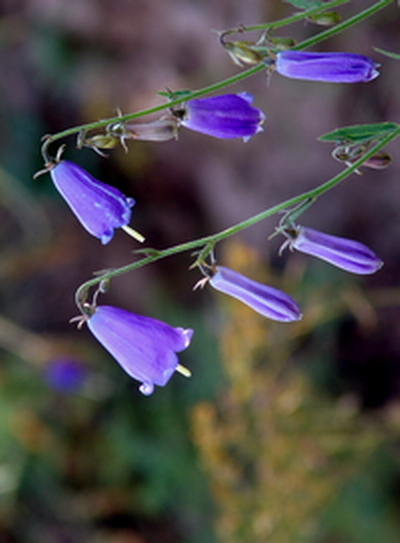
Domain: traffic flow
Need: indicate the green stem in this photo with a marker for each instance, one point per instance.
(233, 79)
(294, 18)
(171, 103)
(210, 241)
(344, 25)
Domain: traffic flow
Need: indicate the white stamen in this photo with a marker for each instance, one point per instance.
(133, 233)
(183, 371)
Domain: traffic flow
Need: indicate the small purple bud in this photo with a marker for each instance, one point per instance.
(327, 67)
(226, 116)
(98, 207)
(144, 347)
(347, 254)
(65, 375)
(269, 302)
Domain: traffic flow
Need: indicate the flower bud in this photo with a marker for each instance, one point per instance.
(378, 161)
(281, 43)
(99, 141)
(159, 130)
(329, 18)
(269, 302)
(243, 52)
(327, 67)
(347, 254)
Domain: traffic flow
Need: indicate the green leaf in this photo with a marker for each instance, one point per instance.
(395, 56)
(359, 132)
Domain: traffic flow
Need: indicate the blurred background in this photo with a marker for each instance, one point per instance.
(284, 433)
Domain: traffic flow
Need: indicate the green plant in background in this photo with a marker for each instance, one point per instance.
(276, 450)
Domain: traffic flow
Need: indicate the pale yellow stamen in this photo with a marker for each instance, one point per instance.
(133, 233)
(183, 371)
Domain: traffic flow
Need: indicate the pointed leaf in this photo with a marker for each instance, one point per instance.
(358, 133)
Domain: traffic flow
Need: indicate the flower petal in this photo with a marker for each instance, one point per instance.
(226, 116)
(98, 207)
(269, 302)
(144, 347)
(347, 254)
(327, 67)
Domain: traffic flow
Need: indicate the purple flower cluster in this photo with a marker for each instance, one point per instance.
(145, 347)
(101, 208)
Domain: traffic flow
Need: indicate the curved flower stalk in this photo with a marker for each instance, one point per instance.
(347, 254)
(144, 347)
(99, 208)
(227, 116)
(327, 67)
(269, 302)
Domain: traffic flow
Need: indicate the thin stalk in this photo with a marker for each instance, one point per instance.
(230, 80)
(295, 18)
(171, 103)
(334, 30)
(210, 241)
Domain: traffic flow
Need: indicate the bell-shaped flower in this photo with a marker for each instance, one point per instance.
(98, 207)
(347, 254)
(268, 301)
(327, 67)
(144, 347)
(226, 116)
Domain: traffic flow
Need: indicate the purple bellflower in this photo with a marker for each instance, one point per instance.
(327, 67)
(144, 347)
(269, 302)
(98, 207)
(347, 254)
(227, 116)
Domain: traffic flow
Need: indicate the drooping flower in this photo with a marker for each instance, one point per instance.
(347, 254)
(226, 116)
(100, 208)
(268, 301)
(144, 347)
(327, 67)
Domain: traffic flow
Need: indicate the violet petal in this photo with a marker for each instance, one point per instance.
(98, 207)
(327, 67)
(144, 347)
(268, 301)
(347, 254)
(226, 116)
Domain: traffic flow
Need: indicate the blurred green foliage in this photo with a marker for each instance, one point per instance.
(279, 452)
